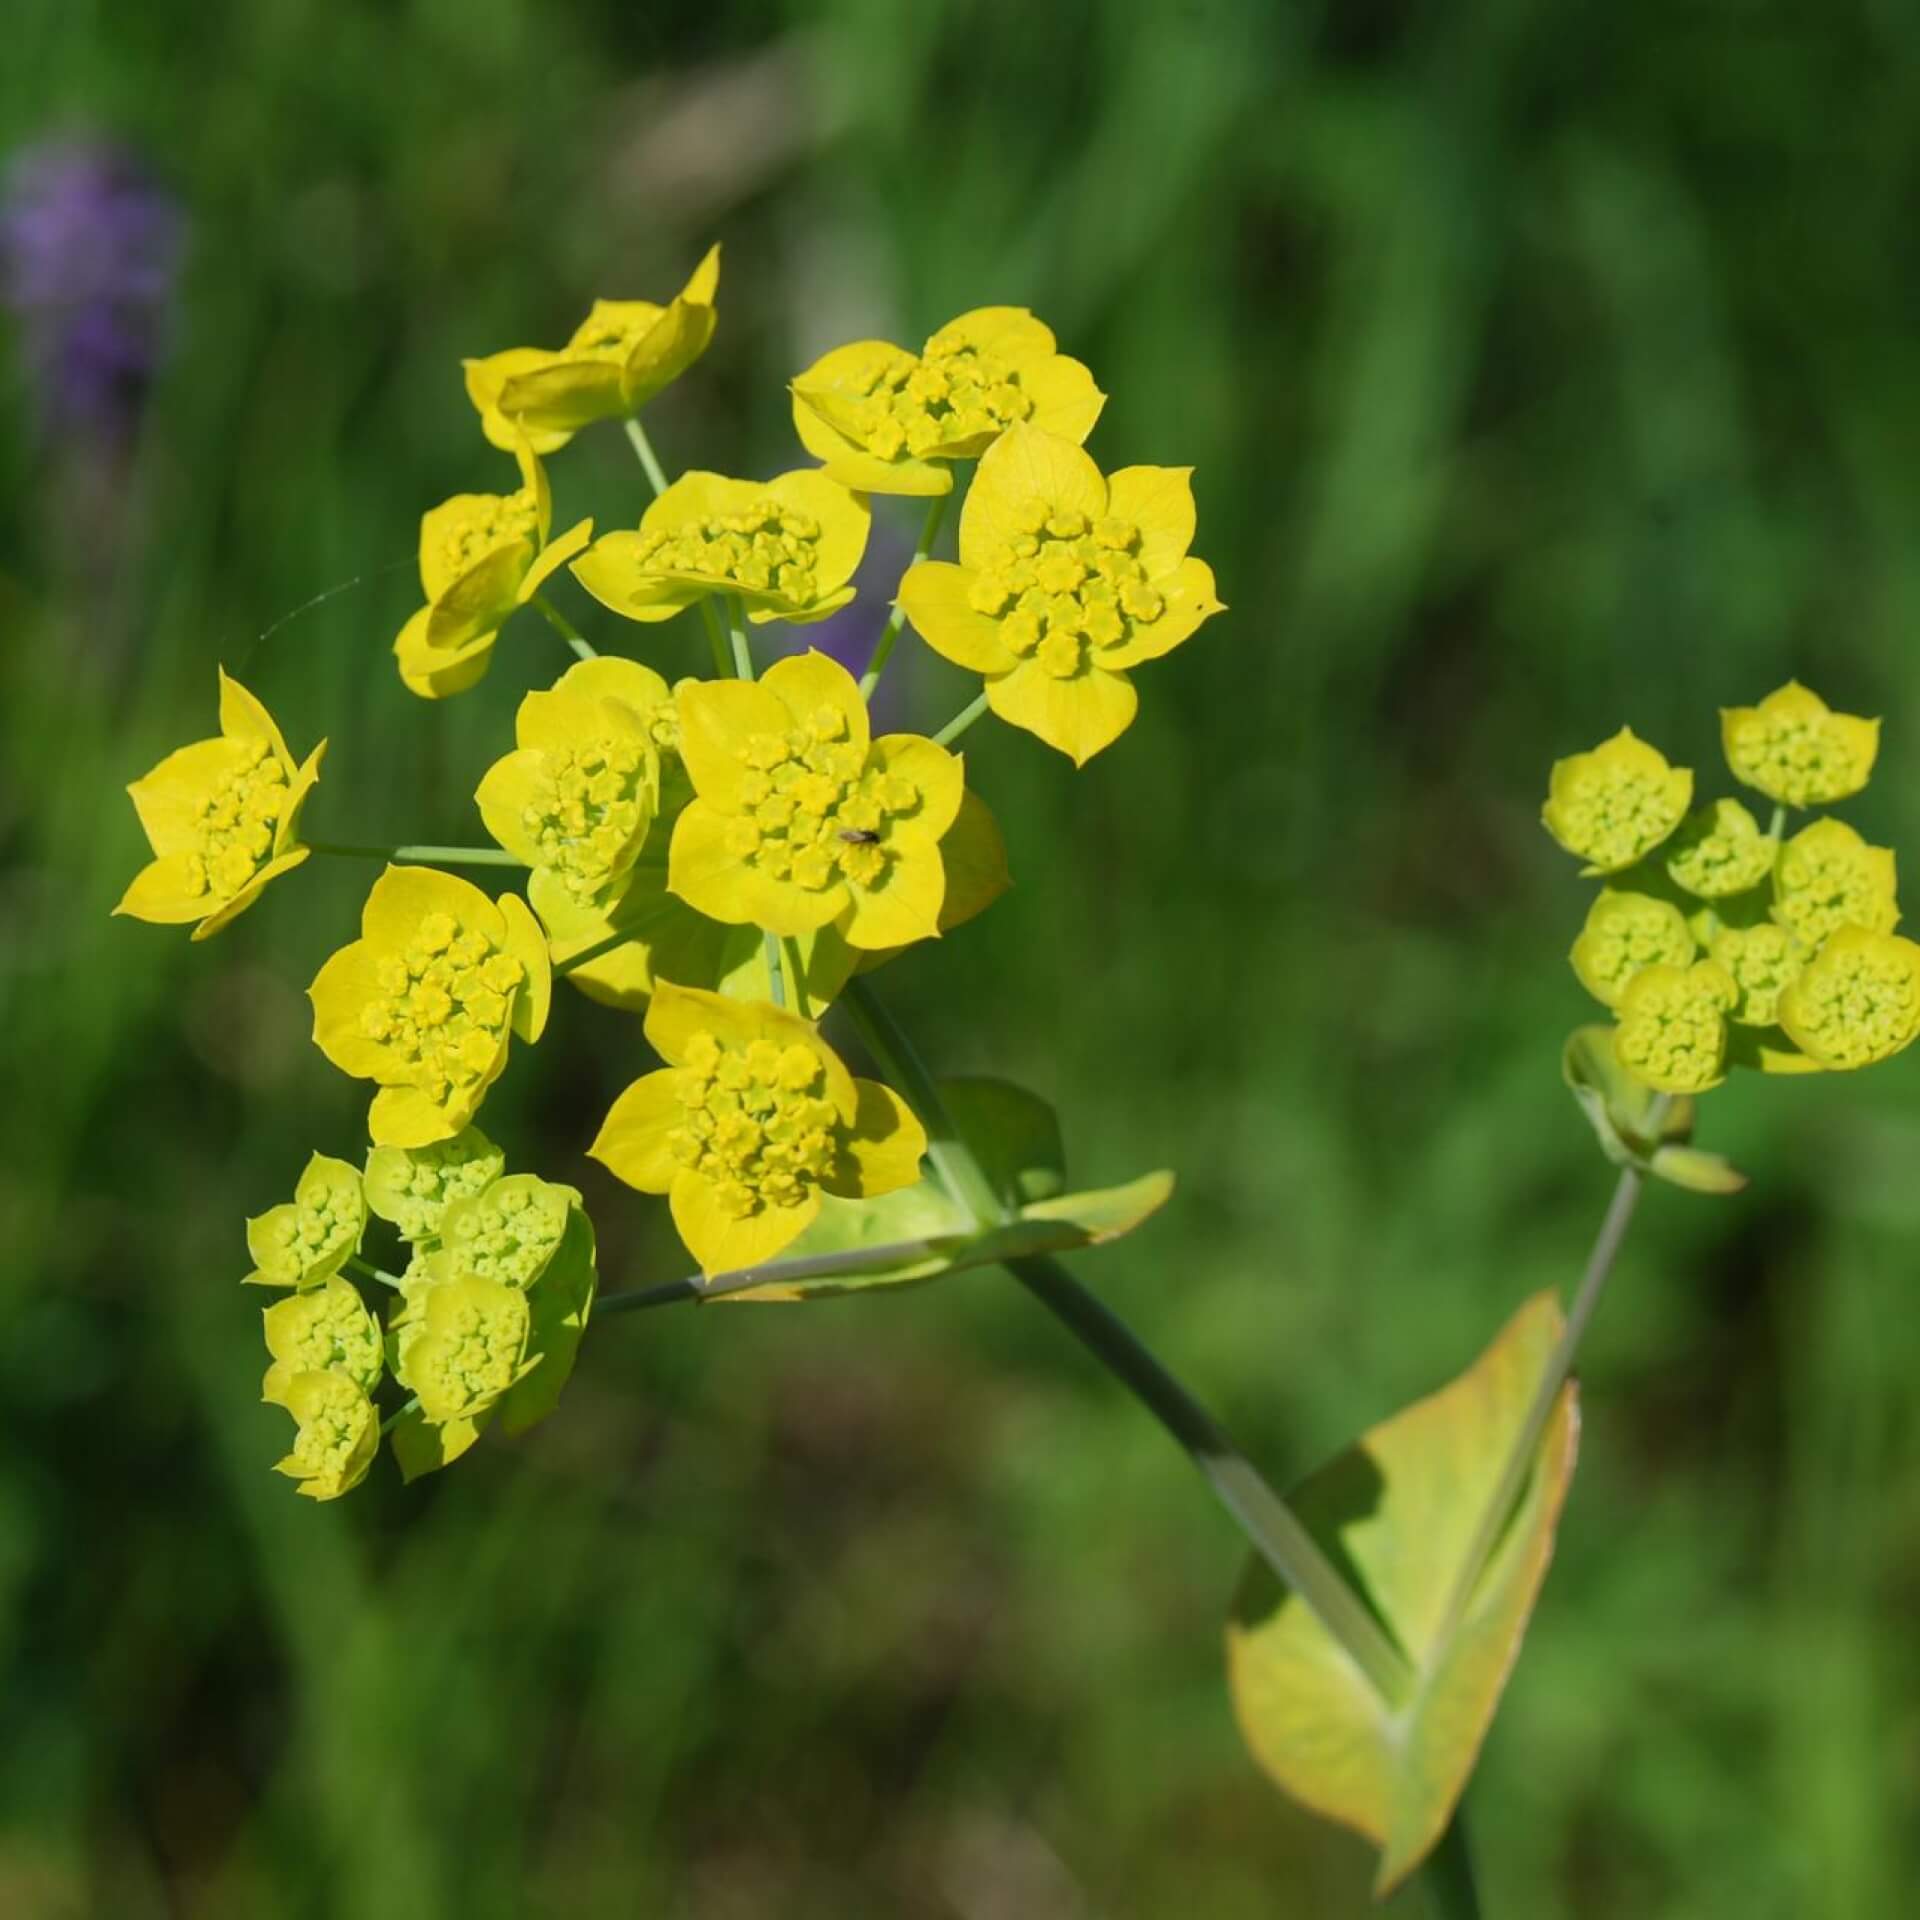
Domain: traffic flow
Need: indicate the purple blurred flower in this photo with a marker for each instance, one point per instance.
(89, 248)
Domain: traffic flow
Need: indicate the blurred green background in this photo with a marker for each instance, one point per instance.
(1544, 368)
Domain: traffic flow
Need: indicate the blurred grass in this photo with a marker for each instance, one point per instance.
(1543, 369)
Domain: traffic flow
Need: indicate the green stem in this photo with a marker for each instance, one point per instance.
(397, 1415)
(961, 721)
(370, 1272)
(717, 639)
(737, 632)
(796, 973)
(421, 856)
(1268, 1522)
(770, 958)
(1447, 1878)
(953, 1160)
(883, 647)
(656, 474)
(1519, 1463)
(561, 968)
(564, 627)
(809, 1266)
(1777, 825)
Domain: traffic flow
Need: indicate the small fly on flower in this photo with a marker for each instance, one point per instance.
(859, 836)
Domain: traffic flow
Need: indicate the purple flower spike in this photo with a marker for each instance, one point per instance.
(89, 248)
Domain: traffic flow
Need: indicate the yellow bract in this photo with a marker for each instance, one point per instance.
(1793, 748)
(620, 356)
(482, 555)
(1673, 1026)
(888, 421)
(222, 817)
(1066, 579)
(309, 1238)
(423, 1003)
(787, 547)
(1857, 1002)
(1828, 878)
(1626, 932)
(1614, 805)
(575, 800)
(753, 1118)
(801, 820)
(325, 1329)
(462, 1345)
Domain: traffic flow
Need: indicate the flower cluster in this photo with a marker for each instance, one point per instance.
(1717, 943)
(719, 852)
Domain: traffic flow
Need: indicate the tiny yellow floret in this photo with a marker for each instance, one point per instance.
(222, 817)
(1612, 806)
(1795, 749)
(1673, 1026)
(1857, 1002)
(888, 421)
(751, 1121)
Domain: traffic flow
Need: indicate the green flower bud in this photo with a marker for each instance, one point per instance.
(1857, 1002)
(325, 1328)
(1613, 806)
(339, 1433)
(310, 1238)
(1624, 933)
(508, 1234)
(1673, 1029)
(413, 1186)
(1720, 851)
(1829, 878)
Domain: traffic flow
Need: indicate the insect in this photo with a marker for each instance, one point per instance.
(859, 836)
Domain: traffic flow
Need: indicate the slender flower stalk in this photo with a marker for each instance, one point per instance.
(890, 633)
(961, 721)
(649, 460)
(564, 627)
(421, 856)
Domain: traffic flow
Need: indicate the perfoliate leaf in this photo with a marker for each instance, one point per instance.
(1014, 1135)
(561, 1300)
(1399, 1511)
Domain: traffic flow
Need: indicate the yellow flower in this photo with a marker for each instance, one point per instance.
(462, 1346)
(1858, 1002)
(1762, 961)
(787, 546)
(326, 1329)
(1673, 1029)
(1828, 878)
(620, 356)
(414, 1186)
(1626, 932)
(1613, 806)
(423, 1003)
(1066, 579)
(339, 1432)
(753, 1117)
(1796, 750)
(308, 1239)
(575, 799)
(222, 818)
(482, 555)
(1719, 851)
(801, 820)
(888, 421)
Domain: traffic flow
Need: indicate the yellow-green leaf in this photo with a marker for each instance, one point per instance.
(1399, 1511)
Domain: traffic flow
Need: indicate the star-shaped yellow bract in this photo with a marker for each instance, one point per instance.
(752, 1119)
(1625, 933)
(800, 819)
(620, 356)
(423, 1003)
(1066, 579)
(576, 797)
(1795, 749)
(1857, 1002)
(482, 555)
(322, 1329)
(222, 817)
(305, 1241)
(1614, 805)
(787, 547)
(888, 421)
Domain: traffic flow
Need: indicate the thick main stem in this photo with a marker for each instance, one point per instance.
(890, 633)
(1447, 1879)
(1513, 1476)
(1268, 1522)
